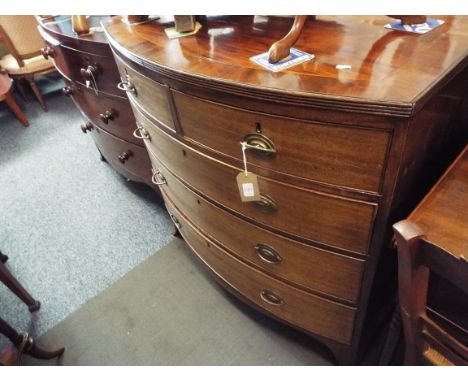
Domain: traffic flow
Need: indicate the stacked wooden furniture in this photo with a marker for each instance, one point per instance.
(433, 241)
(87, 65)
(337, 152)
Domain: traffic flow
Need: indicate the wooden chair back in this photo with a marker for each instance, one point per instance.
(21, 37)
(428, 342)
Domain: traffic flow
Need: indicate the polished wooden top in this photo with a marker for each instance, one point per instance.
(62, 25)
(391, 72)
(443, 214)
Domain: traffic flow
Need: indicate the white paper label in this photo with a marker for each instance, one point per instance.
(248, 189)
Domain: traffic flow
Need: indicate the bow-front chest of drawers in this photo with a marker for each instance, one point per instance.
(339, 154)
(88, 67)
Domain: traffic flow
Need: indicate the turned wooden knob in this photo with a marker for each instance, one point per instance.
(125, 156)
(107, 116)
(47, 52)
(88, 72)
(67, 90)
(86, 127)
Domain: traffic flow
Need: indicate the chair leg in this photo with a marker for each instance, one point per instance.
(10, 281)
(37, 93)
(16, 109)
(31, 348)
(20, 86)
(393, 337)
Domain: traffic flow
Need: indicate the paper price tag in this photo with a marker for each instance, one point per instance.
(248, 187)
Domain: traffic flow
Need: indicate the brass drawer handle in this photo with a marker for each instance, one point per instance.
(175, 221)
(266, 204)
(126, 85)
(143, 132)
(260, 144)
(271, 298)
(158, 179)
(267, 254)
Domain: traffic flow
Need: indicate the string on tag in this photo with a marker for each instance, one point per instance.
(94, 83)
(244, 147)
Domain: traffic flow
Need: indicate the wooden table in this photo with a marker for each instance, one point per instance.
(5, 95)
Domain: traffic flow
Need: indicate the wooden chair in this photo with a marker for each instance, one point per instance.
(427, 342)
(433, 271)
(20, 36)
(21, 342)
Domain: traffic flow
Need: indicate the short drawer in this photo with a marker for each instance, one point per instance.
(304, 265)
(110, 113)
(149, 95)
(336, 221)
(130, 160)
(79, 66)
(345, 156)
(311, 313)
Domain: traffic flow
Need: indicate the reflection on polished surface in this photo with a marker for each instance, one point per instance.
(62, 25)
(382, 65)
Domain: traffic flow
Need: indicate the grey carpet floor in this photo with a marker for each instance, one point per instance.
(70, 224)
(170, 311)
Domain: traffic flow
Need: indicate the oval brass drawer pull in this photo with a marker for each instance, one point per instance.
(271, 298)
(266, 204)
(143, 133)
(267, 254)
(158, 178)
(260, 145)
(175, 221)
(126, 85)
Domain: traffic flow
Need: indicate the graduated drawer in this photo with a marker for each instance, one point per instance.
(352, 157)
(110, 113)
(301, 264)
(149, 95)
(297, 307)
(75, 64)
(127, 158)
(324, 218)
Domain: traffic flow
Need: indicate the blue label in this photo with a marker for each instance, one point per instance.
(429, 25)
(296, 57)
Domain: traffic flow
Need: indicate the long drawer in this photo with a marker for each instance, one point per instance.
(324, 218)
(304, 265)
(297, 307)
(148, 94)
(110, 113)
(352, 157)
(127, 158)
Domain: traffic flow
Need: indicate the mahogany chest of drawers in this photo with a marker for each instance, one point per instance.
(339, 154)
(88, 67)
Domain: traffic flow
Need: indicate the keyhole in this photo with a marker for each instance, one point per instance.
(258, 127)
